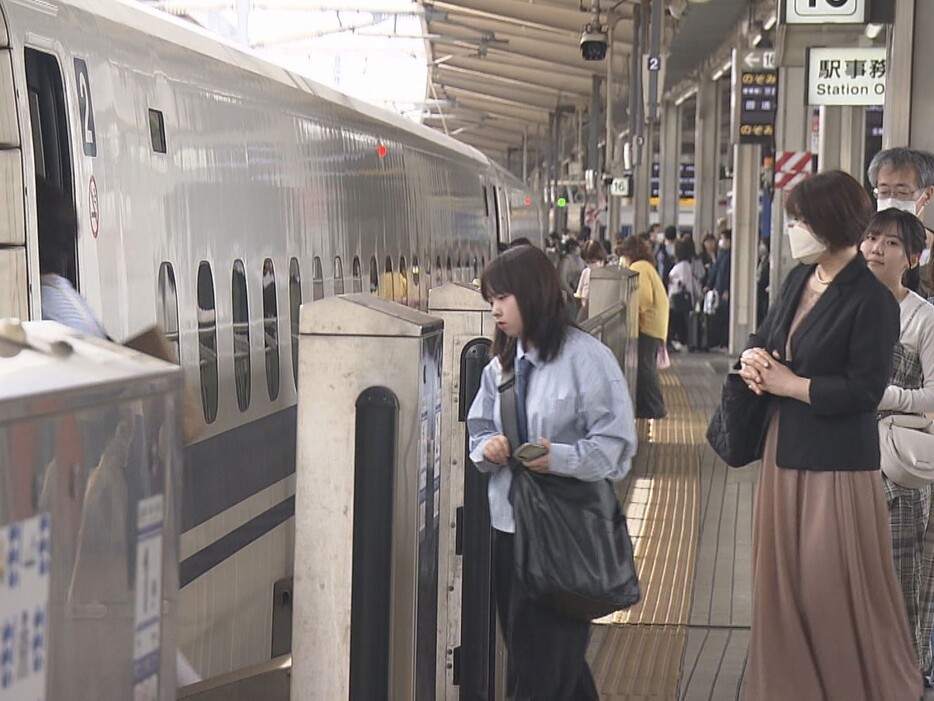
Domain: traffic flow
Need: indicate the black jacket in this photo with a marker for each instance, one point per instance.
(844, 345)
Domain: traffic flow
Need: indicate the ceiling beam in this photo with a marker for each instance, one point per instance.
(582, 86)
(568, 18)
(555, 88)
(509, 95)
(519, 114)
(549, 51)
(510, 60)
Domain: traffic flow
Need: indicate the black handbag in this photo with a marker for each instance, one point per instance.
(737, 428)
(572, 550)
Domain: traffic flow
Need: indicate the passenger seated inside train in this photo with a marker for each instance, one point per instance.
(58, 226)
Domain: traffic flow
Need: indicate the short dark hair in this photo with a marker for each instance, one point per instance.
(834, 206)
(909, 230)
(521, 241)
(593, 251)
(636, 248)
(526, 273)
(684, 250)
(671, 233)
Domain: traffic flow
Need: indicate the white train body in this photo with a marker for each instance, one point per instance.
(264, 175)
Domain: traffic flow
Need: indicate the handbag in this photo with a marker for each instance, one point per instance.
(662, 359)
(572, 550)
(737, 428)
(906, 447)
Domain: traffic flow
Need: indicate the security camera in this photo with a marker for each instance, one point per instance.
(593, 42)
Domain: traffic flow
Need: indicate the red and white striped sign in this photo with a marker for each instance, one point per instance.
(791, 167)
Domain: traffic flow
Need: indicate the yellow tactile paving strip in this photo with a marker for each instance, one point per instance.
(636, 654)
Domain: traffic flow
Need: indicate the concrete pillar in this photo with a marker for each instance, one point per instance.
(900, 50)
(792, 133)
(853, 141)
(706, 172)
(641, 182)
(593, 127)
(828, 156)
(747, 162)
(843, 139)
(669, 164)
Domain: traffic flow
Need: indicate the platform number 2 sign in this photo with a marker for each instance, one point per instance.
(85, 108)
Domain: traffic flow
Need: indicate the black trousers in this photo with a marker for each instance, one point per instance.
(650, 404)
(545, 651)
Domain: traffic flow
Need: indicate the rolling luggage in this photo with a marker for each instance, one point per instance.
(698, 334)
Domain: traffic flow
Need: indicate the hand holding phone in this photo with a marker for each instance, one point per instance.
(527, 452)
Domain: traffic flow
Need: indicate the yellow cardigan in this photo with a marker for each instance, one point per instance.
(653, 301)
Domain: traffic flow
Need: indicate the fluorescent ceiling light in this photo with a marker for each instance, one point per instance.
(770, 22)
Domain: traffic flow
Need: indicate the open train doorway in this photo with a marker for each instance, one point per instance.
(49, 120)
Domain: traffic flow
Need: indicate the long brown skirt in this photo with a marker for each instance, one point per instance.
(828, 619)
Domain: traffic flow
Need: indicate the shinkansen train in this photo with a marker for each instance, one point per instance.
(215, 193)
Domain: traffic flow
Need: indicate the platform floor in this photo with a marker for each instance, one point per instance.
(690, 518)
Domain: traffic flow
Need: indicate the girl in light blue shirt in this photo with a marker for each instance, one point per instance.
(578, 408)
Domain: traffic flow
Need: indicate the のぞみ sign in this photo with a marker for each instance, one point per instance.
(846, 76)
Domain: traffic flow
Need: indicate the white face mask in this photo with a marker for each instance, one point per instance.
(925, 256)
(805, 247)
(660, 237)
(910, 206)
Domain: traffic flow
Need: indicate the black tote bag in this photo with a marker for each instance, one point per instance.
(737, 428)
(572, 549)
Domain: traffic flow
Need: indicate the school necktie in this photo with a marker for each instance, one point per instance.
(522, 386)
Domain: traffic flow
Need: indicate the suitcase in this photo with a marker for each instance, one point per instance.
(698, 331)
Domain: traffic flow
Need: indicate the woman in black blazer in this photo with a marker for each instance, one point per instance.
(828, 621)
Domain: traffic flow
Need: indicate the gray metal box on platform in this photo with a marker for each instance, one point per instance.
(90, 460)
(367, 502)
(614, 317)
(466, 611)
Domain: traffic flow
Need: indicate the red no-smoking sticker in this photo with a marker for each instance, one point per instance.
(94, 207)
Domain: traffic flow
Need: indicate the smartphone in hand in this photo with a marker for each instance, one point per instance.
(527, 452)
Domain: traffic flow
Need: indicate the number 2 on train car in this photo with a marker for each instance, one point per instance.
(86, 109)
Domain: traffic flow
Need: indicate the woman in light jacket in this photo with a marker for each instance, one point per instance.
(578, 409)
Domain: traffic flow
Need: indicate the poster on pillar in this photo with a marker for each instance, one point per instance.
(755, 96)
(846, 76)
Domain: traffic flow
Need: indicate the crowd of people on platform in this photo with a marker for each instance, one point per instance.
(843, 554)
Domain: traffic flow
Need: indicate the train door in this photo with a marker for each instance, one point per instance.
(491, 209)
(13, 286)
(48, 118)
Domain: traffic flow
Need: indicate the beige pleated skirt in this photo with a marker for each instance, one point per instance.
(828, 619)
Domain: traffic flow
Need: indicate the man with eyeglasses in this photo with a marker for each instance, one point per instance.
(903, 178)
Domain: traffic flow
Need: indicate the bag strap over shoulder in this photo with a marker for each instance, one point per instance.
(508, 408)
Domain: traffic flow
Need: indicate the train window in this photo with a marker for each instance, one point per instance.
(207, 341)
(241, 334)
(415, 291)
(439, 271)
(459, 271)
(167, 308)
(295, 303)
(317, 279)
(486, 202)
(482, 262)
(401, 282)
(271, 329)
(374, 276)
(476, 268)
(157, 131)
(338, 276)
(357, 275)
(387, 286)
(448, 275)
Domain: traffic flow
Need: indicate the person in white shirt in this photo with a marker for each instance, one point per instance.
(684, 291)
(892, 247)
(57, 224)
(594, 256)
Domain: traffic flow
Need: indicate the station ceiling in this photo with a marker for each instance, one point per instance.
(498, 68)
